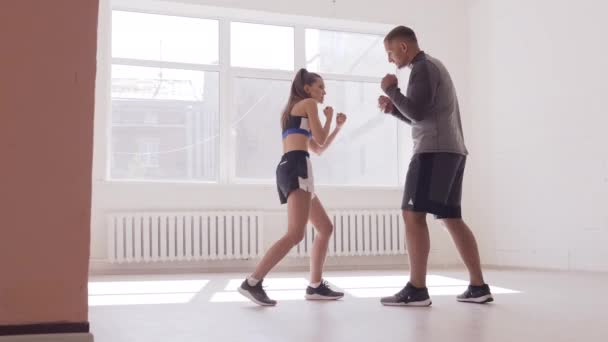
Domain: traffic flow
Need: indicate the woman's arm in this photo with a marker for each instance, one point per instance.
(318, 148)
(319, 133)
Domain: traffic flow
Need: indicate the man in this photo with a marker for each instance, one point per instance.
(434, 178)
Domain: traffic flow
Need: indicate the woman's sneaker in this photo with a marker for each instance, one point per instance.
(476, 294)
(256, 293)
(322, 292)
(408, 296)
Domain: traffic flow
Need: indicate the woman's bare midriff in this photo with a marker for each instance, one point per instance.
(295, 142)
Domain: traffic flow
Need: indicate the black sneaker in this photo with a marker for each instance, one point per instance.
(476, 294)
(408, 296)
(256, 293)
(322, 292)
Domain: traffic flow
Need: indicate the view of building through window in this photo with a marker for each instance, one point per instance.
(166, 121)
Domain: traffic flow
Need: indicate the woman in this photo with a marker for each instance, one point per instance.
(302, 130)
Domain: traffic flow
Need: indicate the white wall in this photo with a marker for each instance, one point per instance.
(529, 76)
(442, 29)
(539, 172)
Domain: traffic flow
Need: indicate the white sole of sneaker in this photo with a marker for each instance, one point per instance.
(251, 298)
(422, 303)
(478, 300)
(319, 297)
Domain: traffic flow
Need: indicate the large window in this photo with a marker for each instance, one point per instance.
(346, 53)
(261, 46)
(196, 99)
(165, 97)
(164, 38)
(367, 151)
(256, 126)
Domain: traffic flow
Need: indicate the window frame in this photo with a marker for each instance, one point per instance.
(228, 75)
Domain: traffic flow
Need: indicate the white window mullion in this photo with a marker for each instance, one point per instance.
(226, 152)
(103, 94)
(165, 65)
(261, 74)
(400, 152)
(288, 75)
(300, 47)
(351, 78)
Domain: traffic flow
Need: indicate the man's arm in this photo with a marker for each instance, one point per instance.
(386, 106)
(396, 113)
(420, 94)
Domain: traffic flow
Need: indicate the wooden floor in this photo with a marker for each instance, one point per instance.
(529, 306)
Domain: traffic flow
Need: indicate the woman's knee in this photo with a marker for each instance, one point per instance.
(326, 229)
(295, 237)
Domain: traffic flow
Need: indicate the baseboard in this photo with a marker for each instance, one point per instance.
(48, 331)
(103, 267)
(45, 328)
(499, 267)
(393, 262)
(76, 337)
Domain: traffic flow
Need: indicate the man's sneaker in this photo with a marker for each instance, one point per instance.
(476, 294)
(408, 296)
(322, 292)
(256, 293)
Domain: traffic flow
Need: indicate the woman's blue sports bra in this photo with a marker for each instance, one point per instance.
(297, 125)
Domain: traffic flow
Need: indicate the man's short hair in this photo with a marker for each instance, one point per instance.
(401, 32)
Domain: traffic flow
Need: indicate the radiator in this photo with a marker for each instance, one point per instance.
(184, 236)
(360, 233)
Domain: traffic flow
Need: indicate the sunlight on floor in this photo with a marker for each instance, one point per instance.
(380, 286)
(106, 293)
(144, 292)
(359, 287)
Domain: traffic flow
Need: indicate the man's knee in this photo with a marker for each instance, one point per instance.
(452, 223)
(414, 217)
